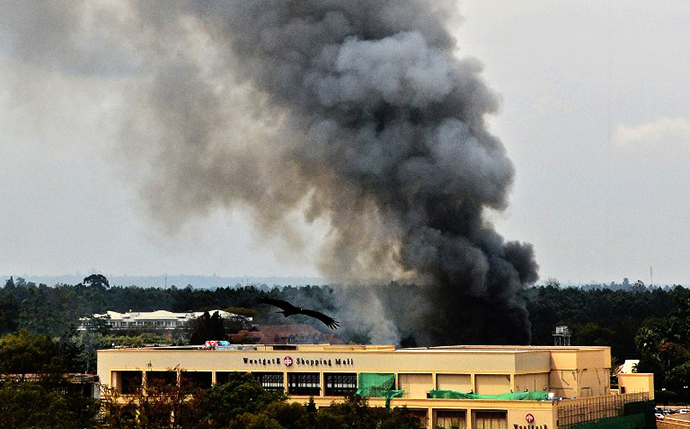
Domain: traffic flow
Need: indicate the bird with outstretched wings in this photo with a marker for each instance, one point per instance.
(290, 310)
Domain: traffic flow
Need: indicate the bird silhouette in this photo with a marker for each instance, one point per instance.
(290, 310)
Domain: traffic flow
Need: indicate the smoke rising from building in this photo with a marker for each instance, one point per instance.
(358, 114)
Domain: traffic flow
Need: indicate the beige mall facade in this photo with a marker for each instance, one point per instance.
(577, 377)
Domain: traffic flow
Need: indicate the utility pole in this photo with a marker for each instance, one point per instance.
(651, 276)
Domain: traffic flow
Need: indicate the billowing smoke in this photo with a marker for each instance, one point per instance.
(357, 113)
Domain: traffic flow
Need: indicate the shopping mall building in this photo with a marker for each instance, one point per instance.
(473, 387)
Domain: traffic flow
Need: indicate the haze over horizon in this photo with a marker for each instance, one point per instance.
(593, 114)
(211, 281)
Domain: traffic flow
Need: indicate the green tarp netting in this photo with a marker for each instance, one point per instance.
(378, 386)
(520, 396)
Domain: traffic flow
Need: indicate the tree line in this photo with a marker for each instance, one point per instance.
(53, 309)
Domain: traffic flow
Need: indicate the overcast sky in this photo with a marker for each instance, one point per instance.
(595, 117)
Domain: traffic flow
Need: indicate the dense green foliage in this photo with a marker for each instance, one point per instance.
(598, 316)
(33, 391)
(664, 348)
(53, 309)
(241, 394)
(40, 405)
(207, 327)
(27, 353)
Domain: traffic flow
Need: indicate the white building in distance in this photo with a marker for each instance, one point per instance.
(149, 320)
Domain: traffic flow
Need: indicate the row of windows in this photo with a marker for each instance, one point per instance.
(336, 384)
(456, 419)
(304, 384)
(130, 381)
(297, 383)
(271, 381)
(145, 323)
(340, 384)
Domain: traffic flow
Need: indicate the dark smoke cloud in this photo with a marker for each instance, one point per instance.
(355, 112)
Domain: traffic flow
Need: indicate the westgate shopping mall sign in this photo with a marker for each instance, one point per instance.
(290, 361)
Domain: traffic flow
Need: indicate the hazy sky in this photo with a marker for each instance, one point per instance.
(595, 117)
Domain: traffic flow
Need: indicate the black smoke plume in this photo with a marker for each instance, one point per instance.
(356, 113)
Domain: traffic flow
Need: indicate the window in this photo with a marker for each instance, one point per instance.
(160, 379)
(490, 420)
(128, 382)
(340, 384)
(421, 415)
(415, 385)
(450, 419)
(190, 380)
(223, 377)
(305, 383)
(271, 381)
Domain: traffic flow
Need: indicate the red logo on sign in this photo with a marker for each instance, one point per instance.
(529, 417)
(287, 360)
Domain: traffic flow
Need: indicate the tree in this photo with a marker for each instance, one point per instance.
(254, 421)
(648, 339)
(242, 393)
(98, 281)
(28, 353)
(207, 327)
(291, 415)
(355, 413)
(592, 334)
(639, 286)
(35, 405)
(47, 399)
(72, 352)
(679, 377)
(9, 312)
(160, 406)
(552, 282)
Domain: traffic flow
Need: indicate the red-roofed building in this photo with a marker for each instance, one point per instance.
(285, 334)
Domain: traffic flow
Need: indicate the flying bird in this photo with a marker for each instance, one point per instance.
(290, 310)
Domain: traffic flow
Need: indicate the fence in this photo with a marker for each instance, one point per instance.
(576, 411)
